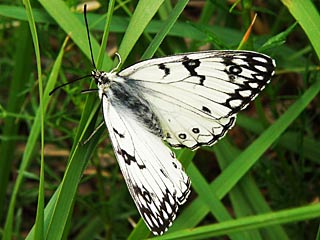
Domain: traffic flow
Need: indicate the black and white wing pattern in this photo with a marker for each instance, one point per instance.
(188, 100)
(154, 177)
(196, 95)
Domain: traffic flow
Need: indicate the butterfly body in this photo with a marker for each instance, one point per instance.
(123, 93)
(187, 100)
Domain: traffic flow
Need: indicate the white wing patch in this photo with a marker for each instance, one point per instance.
(155, 178)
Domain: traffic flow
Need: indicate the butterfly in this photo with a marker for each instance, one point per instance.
(186, 100)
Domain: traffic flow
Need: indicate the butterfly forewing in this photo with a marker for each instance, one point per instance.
(197, 95)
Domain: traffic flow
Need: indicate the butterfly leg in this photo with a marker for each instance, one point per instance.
(93, 133)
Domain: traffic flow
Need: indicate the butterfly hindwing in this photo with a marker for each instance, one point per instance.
(155, 179)
(197, 95)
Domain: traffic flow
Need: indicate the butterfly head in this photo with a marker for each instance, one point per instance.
(102, 78)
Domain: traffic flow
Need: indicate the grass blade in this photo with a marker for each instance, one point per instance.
(308, 17)
(142, 15)
(40, 208)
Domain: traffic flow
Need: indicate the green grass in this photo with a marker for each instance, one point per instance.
(259, 182)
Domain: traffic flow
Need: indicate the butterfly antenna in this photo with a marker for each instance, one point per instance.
(92, 59)
(88, 34)
(118, 65)
(65, 84)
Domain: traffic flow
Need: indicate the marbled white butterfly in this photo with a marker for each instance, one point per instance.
(187, 100)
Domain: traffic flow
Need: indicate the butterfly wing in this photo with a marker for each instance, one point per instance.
(155, 179)
(196, 95)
